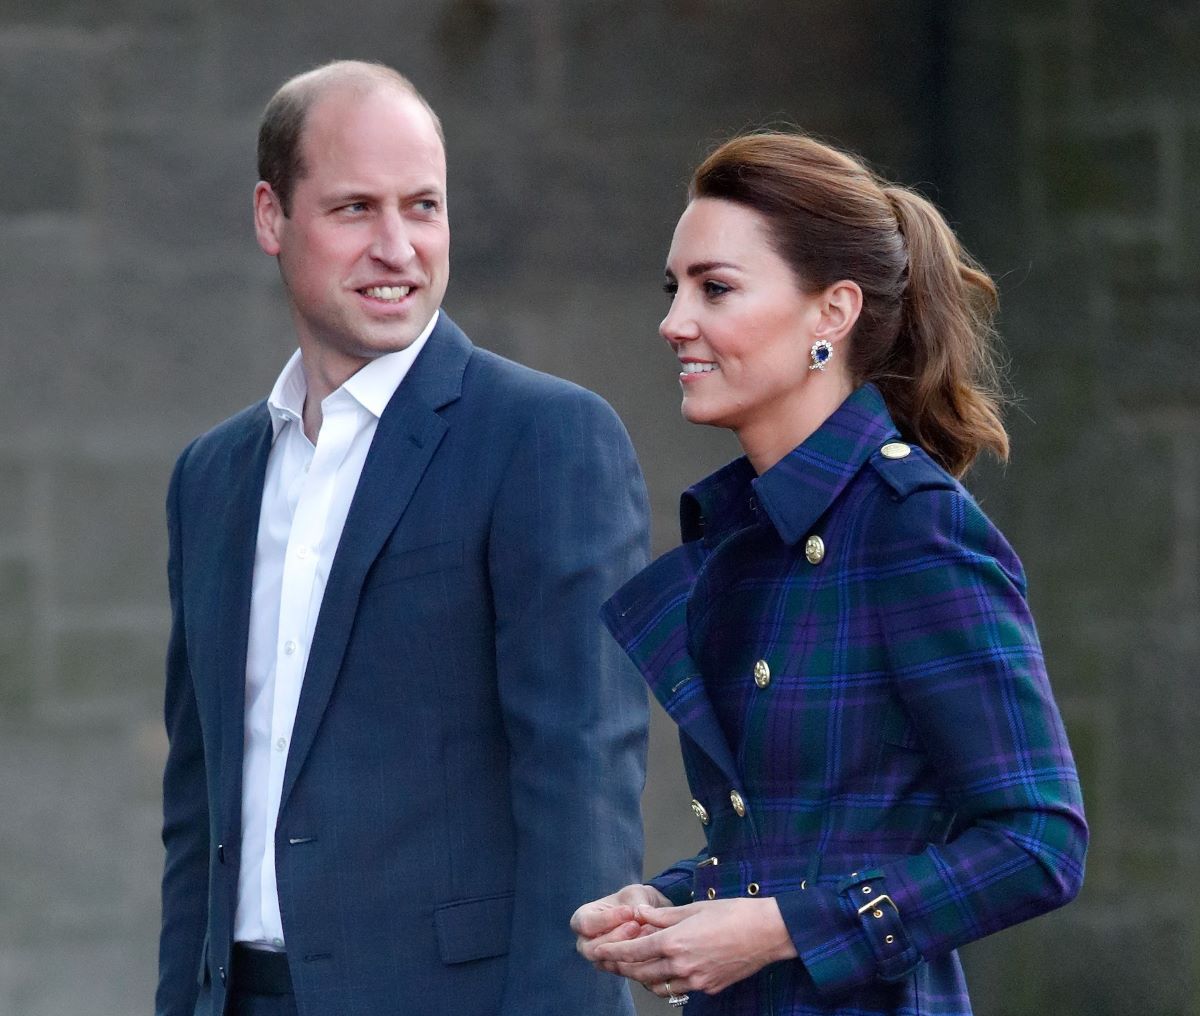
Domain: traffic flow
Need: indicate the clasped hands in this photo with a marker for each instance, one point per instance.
(703, 946)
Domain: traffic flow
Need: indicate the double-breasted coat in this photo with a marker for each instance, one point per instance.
(865, 718)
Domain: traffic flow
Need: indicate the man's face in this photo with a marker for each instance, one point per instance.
(365, 252)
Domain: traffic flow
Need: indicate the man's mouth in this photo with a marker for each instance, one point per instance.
(389, 294)
(692, 367)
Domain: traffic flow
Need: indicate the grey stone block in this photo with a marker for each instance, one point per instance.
(107, 670)
(15, 508)
(44, 91)
(17, 618)
(98, 565)
(1149, 51)
(1092, 173)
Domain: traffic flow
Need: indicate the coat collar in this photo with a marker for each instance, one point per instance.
(798, 489)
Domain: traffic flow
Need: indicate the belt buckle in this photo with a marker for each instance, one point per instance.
(874, 905)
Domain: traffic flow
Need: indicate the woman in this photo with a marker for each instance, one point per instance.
(878, 765)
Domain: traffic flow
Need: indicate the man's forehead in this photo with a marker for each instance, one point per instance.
(349, 126)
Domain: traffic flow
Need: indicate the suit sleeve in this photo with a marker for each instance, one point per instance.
(570, 525)
(950, 603)
(185, 831)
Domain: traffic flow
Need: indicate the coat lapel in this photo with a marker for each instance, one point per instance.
(247, 467)
(648, 617)
(406, 438)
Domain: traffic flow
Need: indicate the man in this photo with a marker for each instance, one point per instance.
(401, 750)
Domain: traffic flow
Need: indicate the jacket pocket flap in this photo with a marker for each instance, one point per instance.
(474, 929)
(412, 561)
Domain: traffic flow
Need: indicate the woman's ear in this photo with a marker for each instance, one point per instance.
(839, 306)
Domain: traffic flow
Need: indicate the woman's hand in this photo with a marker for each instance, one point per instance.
(612, 919)
(703, 946)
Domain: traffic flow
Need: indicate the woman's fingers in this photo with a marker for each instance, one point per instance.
(663, 917)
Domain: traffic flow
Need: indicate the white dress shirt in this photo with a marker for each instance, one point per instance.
(306, 496)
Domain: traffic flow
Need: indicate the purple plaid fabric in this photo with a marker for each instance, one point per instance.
(905, 778)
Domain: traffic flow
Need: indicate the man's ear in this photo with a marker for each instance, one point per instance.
(268, 218)
(840, 305)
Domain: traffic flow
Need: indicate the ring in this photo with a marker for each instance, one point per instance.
(675, 1000)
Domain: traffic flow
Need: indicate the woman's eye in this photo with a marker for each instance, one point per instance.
(670, 288)
(715, 289)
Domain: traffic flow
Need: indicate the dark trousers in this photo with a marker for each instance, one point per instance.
(260, 984)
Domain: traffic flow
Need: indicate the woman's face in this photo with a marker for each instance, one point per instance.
(738, 322)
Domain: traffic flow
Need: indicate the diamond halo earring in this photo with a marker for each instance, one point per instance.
(820, 354)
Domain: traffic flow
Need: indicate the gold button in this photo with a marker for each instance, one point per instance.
(877, 914)
(814, 549)
(738, 804)
(889, 939)
(867, 890)
(752, 889)
(712, 894)
(762, 674)
(895, 450)
(700, 811)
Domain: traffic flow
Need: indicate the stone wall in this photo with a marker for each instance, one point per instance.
(1077, 126)
(1063, 137)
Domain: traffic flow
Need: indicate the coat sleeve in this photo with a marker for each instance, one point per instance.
(570, 525)
(949, 598)
(185, 830)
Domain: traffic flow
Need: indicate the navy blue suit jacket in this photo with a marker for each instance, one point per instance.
(468, 753)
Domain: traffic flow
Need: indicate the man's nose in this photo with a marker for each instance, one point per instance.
(391, 245)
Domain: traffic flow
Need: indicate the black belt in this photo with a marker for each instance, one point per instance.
(259, 971)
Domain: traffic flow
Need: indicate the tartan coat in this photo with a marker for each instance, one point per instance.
(865, 719)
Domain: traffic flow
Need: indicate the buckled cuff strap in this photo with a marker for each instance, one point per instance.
(883, 927)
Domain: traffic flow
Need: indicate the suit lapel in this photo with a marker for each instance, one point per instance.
(406, 438)
(247, 467)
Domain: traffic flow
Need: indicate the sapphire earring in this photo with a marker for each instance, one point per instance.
(820, 354)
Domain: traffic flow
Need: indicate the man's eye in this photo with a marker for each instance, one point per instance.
(428, 205)
(355, 207)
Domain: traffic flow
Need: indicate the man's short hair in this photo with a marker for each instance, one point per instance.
(280, 134)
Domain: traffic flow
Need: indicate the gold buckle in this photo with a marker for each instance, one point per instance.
(707, 861)
(874, 905)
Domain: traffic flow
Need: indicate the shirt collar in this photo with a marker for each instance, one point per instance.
(797, 490)
(372, 386)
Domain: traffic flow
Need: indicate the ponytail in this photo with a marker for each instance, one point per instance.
(941, 380)
(925, 334)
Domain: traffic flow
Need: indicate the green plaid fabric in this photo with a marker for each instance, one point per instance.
(877, 705)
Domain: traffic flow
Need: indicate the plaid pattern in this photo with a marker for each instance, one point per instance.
(907, 743)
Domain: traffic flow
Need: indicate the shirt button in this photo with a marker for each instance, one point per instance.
(762, 673)
(739, 805)
(289, 647)
(277, 943)
(302, 552)
(281, 744)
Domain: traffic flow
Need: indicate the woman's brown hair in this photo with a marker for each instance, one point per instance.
(925, 335)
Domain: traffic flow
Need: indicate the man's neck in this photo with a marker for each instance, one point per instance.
(324, 374)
